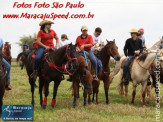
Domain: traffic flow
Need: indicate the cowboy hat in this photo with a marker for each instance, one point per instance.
(84, 27)
(45, 22)
(134, 30)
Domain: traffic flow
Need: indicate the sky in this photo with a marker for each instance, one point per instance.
(115, 17)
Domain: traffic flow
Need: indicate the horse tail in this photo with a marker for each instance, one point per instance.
(19, 55)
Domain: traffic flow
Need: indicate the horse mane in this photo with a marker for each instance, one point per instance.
(143, 57)
(103, 52)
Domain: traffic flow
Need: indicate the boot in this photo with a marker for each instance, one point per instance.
(34, 74)
(8, 87)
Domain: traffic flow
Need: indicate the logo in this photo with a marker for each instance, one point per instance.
(17, 112)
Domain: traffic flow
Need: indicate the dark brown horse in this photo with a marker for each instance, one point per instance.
(83, 76)
(53, 69)
(7, 53)
(3, 80)
(56, 59)
(109, 50)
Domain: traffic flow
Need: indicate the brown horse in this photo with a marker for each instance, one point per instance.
(55, 58)
(7, 53)
(3, 80)
(109, 50)
(53, 68)
(83, 76)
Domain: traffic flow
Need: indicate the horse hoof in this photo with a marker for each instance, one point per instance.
(44, 106)
(74, 105)
(107, 102)
(53, 106)
(144, 106)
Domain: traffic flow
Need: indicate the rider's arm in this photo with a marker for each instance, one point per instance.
(39, 42)
(141, 46)
(57, 40)
(126, 48)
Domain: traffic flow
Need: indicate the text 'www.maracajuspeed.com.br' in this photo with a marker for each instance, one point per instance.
(48, 16)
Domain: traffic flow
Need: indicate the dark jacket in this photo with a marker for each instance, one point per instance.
(131, 46)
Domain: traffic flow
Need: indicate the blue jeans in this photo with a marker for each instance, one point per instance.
(39, 56)
(126, 66)
(92, 57)
(8, 67)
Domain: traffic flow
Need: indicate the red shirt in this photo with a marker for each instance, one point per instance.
(82, 41)
(43, 35)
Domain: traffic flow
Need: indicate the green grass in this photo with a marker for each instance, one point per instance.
(119, 110)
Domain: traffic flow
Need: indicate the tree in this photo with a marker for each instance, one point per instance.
(29, 39)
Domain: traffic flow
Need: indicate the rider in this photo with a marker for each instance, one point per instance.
(63, 39)
(85, 42)
(45, 41)
(8, 67)
(140, 36)
(26, 46)
(133, 47)
(98, 42)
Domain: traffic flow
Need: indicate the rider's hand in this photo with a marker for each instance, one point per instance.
(137, 52)
(47, 48)
(126, 58)
(56, 46)
(82, 47)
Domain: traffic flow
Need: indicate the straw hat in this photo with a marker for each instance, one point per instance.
(84, 27)
(45, 22)
(134, 30)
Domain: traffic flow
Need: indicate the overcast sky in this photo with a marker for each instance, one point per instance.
(115, 17)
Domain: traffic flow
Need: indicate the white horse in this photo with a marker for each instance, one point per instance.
(139, 74)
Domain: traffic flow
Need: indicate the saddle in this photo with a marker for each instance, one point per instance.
(130, 66)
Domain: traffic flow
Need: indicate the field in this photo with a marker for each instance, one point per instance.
(119, 110)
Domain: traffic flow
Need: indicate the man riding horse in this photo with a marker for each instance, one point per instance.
(85, 42)
(133, 47)
(8, 67)
(45, 41)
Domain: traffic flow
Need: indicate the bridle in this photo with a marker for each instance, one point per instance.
(148, 69)
(62, 68)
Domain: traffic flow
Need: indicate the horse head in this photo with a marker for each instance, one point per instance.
(71, 55)
(112, 50)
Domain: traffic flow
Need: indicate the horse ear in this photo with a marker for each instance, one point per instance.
(70, 44)
(107, 41)
(114, 40)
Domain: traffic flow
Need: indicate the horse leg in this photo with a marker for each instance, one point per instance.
(93, 99)
(126, 92)
(144, 85)
(121, 87)
(85, 97)
(1, 100)
(41, 84)
(32, 83)
(44, 104)
(97, 97)
(106, 88)
(75, 85)
(89, 99)
(133, 93)
(56, 85)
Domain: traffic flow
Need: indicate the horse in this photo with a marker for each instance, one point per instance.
(82, 75)
(139, 70)
(109, 50)
(53, 68)
(3, 80)
(28, 61)
(57, 55)
(7, 53)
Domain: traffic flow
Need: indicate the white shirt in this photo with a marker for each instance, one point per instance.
(96, 40)
(61, 43)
